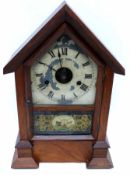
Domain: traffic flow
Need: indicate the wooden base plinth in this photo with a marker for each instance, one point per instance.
(101, 157)
(23, 162)
(101, 163)
(29, 154)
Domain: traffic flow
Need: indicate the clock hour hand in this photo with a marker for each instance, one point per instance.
(47, 65)
(59, 56)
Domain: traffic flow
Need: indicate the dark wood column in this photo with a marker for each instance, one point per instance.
(101, 157)
(23, 157)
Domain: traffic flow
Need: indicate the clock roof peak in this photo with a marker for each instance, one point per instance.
(62, 15)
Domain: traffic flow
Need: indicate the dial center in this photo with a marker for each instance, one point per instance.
(63, 75)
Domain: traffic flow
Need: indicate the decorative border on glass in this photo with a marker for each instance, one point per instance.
(62, 123)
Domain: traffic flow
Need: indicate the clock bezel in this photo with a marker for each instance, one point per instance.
(65, 29)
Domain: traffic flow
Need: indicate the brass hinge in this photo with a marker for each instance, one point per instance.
(28, 102)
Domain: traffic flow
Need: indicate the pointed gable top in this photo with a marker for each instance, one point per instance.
(62, 15)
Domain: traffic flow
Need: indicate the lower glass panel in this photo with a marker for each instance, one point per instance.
(62, 123)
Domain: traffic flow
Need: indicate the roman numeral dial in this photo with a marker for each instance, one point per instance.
(51, 53)
(86, 64)
(84, 87)
(64, 50)
(64, 75)
(88, 76)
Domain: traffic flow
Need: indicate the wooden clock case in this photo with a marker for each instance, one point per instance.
(92, 149)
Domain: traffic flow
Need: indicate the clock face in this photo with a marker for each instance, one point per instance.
(64, 75)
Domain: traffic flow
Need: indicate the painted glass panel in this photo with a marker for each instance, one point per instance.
(62, 123)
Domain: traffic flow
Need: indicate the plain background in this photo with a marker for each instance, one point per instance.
(109, 20)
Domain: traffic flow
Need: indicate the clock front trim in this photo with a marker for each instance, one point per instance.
(96, 107)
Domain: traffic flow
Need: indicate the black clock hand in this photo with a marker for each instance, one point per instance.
(46, 65)
(59, 56)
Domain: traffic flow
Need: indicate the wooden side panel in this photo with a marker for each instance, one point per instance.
(97, 102)
(108, 82)
(28, 94)
(62, 151)
(20, 92)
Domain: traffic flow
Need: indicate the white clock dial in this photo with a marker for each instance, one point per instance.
(64, 76)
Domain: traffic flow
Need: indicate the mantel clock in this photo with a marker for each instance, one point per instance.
(64, 79)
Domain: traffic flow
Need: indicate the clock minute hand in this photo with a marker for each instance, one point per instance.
(59, 56)
(46, 65)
